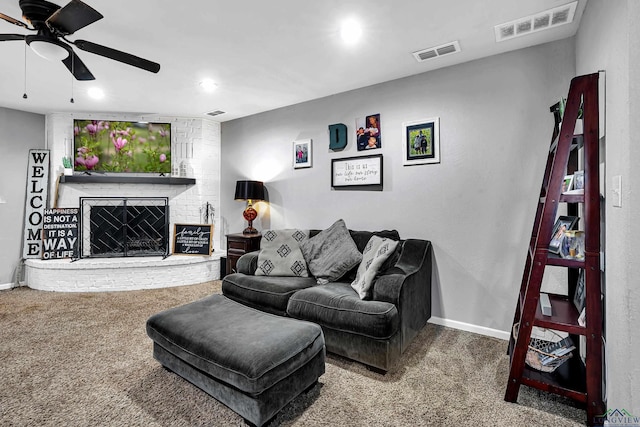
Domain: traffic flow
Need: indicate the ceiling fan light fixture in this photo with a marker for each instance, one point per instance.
(48, 50)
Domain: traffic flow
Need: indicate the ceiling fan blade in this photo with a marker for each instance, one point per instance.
(72, 17)
(77, 67)
(13, 21)
(117, 55)
(5, 37)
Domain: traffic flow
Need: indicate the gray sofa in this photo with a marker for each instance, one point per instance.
(374, 331)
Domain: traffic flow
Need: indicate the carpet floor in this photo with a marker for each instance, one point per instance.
(84, 359)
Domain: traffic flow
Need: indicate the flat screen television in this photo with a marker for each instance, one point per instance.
(122, 147)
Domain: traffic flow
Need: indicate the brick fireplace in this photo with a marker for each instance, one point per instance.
(194, 141)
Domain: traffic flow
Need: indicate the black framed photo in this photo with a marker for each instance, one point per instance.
(562, 224)
(421, 142)
(580, 296)
(353, 172)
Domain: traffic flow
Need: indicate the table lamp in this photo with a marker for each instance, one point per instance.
(250, 191)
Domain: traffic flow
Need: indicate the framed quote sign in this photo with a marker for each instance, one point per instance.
(354, 172)
(192, 239)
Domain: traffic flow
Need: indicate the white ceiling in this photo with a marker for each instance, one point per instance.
(262, 55)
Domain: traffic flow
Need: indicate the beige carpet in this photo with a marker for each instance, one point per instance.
(84, 359)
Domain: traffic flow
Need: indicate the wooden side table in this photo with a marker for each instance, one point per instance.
(239, 244)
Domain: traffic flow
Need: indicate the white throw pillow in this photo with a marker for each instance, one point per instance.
(376, 252)
(280, 253)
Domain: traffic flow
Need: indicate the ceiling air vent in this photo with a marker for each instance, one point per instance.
(434, 52)
(215, 113)
(540, 21)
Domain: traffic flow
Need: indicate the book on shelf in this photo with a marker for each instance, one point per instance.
(555, 350)
(582, 319)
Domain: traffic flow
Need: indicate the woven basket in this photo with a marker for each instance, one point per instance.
(536, 350)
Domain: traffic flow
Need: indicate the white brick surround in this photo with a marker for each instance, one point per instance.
(121, 274)
(193, 140)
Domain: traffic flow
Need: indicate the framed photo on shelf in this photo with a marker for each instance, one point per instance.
(578, 180)
(567, 183)
(421, 142)
(562, 224)
(302, 153)
(580, 296)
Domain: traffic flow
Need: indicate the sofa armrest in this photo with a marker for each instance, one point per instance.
(407, 285)
(389, 284)
(248, 263)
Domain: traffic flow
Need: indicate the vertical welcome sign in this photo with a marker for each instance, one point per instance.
(37, 192)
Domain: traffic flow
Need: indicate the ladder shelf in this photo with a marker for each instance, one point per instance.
(573, 379)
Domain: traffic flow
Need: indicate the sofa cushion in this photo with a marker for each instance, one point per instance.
(280, 253)
(361, 238)
(331, 253)
(377, 251)
(267, 293)
(338, 306)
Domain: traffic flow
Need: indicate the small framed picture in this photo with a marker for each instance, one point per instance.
(578, 180)
(580, 296)
(562, 224)
(302, 153)
(368, 132)
(421, 142)
(567, 184)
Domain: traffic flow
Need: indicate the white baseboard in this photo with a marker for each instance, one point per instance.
(495, 333)
(5, 286)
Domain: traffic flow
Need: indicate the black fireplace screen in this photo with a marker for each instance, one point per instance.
(124, 227)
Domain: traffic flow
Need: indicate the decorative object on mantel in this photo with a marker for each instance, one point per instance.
(302, 153)
(337, 136)
(68, 166)
(421, 142)
(250, 191)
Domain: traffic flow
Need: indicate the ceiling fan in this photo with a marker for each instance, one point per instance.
(53, 24)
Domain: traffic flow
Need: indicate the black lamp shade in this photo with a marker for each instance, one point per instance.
(249, 190)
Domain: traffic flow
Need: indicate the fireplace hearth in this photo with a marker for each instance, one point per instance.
(124, 227)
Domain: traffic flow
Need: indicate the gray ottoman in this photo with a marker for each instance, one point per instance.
(253, 362)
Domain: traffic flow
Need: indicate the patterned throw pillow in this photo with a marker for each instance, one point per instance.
(376, 252)
(331, 253)
(280, 253)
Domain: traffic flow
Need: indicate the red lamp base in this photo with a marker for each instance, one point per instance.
(250, 214)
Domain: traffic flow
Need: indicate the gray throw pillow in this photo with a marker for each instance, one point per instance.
(280, 253)
(331, 253)
(374, 255)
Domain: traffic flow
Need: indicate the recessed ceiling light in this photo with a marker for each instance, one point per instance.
(95, 93)
(351, 31)
(208, 85)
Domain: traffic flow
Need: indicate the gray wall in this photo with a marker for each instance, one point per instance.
(476, 206)
(19, 132)
(615, 47)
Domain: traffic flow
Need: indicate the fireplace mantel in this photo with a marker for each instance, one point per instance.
(112, 179)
